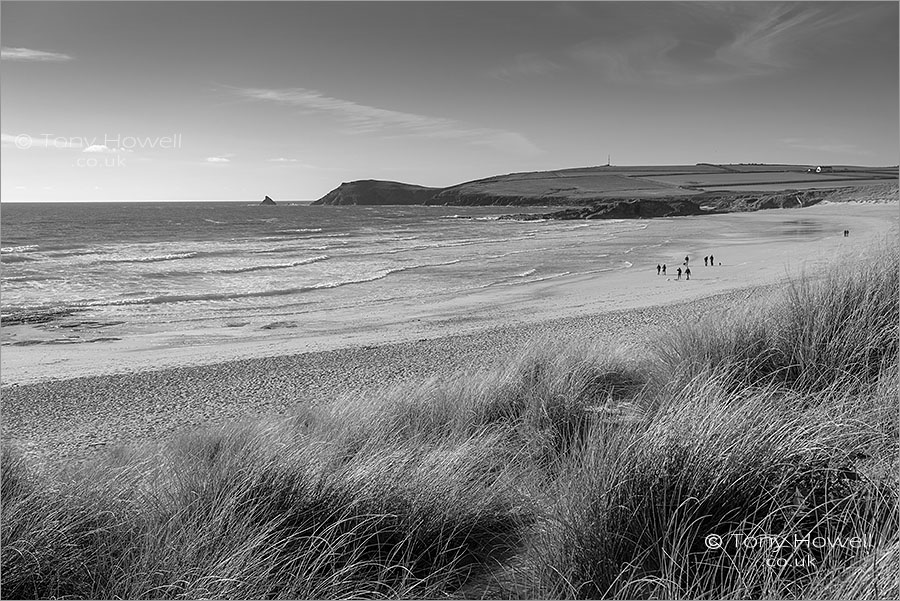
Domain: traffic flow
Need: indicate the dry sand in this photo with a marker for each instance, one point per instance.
(68, 401)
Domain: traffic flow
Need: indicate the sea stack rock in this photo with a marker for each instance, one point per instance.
(267, 201)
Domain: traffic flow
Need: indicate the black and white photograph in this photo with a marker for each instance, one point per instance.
(450, 300)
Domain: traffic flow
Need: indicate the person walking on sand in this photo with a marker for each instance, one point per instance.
(679, 274)
(687, 272)
(658, 269)
(686, 259)
(711, 261)
(706, 261)
(664, 269)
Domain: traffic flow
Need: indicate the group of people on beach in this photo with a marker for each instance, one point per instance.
(708, 261)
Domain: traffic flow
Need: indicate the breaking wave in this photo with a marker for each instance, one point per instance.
(7, 250)
(226, 296)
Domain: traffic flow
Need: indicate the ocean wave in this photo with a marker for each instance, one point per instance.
(519, 252)
(472, 217)
(153, 258)
(34, 277)
(6, 250)
(276, 266)
(442, 245)
(34, 315)
(517, 280)
(228, 296)
(80, 252)
(302, 230)
(10, 258)
(216, 222)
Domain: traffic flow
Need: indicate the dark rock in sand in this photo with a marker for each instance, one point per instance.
(267, 201)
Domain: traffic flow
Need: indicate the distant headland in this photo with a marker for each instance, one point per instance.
(634, 191)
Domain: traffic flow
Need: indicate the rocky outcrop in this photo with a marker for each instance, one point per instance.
(700, 204)
(377, 192)
(737, 202)
(267, 201)
(624, 209)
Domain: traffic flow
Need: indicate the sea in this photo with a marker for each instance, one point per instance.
(217, 262)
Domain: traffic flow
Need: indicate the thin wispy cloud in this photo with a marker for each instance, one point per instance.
(764, 41)
(363, 119)
(28, 141)
(104, 149)
(298, 164)
(749, 39)
(639, 58)
(218, 160)
(29, 54)
(821, 145)
(527, 64)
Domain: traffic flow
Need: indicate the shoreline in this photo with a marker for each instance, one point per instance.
(72, 403)
(76, 419)
(756, 248)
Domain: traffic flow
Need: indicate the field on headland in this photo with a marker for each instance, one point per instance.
(748, 454)
(586, 185)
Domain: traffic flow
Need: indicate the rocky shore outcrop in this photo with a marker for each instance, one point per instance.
(706, 203)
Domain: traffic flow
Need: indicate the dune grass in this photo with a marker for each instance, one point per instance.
(579, 471)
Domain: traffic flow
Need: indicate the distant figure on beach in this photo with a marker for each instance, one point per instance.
(711, 260)
(679, 274)
(686, 259)
(846, 233)
(658, 268)
(687, 272)
(664, 269)
(705, 261)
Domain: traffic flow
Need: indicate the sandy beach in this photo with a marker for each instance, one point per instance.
(69, 401)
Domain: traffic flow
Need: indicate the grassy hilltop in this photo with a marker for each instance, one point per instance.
(580, 471)
(589, 185)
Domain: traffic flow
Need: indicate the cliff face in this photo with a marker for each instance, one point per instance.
(706, 203)
(375, 192)
(789, 199)
(624, 209)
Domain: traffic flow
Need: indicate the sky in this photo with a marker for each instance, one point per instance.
(238, 100)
